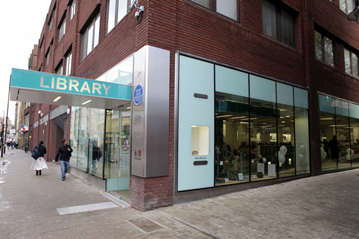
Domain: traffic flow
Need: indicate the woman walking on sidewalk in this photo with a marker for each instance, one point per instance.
(39, 163)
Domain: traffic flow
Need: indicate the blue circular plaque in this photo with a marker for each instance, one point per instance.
(138, 94)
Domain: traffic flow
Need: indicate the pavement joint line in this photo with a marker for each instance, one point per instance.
(43, 233)
(86, 208)
(196, 228)
(114, 199)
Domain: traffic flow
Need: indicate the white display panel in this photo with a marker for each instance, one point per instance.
(195, 108)
(200, 140)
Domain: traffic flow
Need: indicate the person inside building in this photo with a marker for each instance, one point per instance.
(39, 163)
(334, 148)
(64, 152)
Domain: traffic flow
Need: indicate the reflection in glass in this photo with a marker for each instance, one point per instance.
(343, 138)
(286, 157)
(231, 139)
(117, 144)
(228, 8)
(347, 61)
(263, 136)
(302, 140)
(354, 136)
(328, 47)
(95, 141)
(318, 46)
(329, 143)
(75, 116)
(206, 3)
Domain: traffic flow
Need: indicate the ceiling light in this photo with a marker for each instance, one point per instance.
(220, 116)
(86, 102)
(287, 116)
(57, 98)
(128, 108)
(283, 122)
(240, 117)
(329, 118)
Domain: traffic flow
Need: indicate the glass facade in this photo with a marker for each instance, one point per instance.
(101, 138)
(339, 133)
(261, 128)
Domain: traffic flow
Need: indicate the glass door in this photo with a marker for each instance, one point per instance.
(117, 150)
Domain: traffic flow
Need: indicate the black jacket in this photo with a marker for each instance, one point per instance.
(42, 150)
(63, 153)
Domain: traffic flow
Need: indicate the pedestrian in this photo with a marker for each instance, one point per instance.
(64, 152)
(39, 163)
(334, 148)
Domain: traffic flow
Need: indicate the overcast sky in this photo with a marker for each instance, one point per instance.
(21, 22)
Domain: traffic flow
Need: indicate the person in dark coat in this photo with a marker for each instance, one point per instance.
(64, 152)
(326, 145)
(39, 163)
(334, 148)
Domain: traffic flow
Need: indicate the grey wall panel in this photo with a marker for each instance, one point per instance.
(150, 119)
(157, 112)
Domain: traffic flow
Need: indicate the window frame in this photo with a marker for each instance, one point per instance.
(213, 8)
(68, 63)
(323, 48)
(72, 10)
(47, 57)
(62, 27)
(346, 6)
(116, 21)
(351, 62)
(59, 66)
(278, 21)
(85, 37)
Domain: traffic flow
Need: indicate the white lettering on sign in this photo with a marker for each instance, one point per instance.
(74, 85)
(42, 83)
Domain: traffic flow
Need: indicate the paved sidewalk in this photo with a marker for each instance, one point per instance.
(325, 206)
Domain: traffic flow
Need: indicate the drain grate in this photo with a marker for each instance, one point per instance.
(145, 224)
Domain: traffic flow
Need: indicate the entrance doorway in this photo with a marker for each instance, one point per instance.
(117, 151)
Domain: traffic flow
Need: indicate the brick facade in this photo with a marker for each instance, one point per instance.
(184, 26)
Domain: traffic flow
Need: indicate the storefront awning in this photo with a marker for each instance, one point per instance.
(45, 88)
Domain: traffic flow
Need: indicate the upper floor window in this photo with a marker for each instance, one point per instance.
(68, 62)
(62, 29)
(59, 69)
(72, 9)
(50, 24)
(278, 23)
(52, 17)
(351, 62)
(47, 57)
(228, 8)
(324, 48)
(90, 37)
(116, 10)
(347, 6)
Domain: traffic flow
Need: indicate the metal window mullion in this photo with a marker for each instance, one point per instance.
(249, 135)
(277, 132)
(323, 49)
(295, 140)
